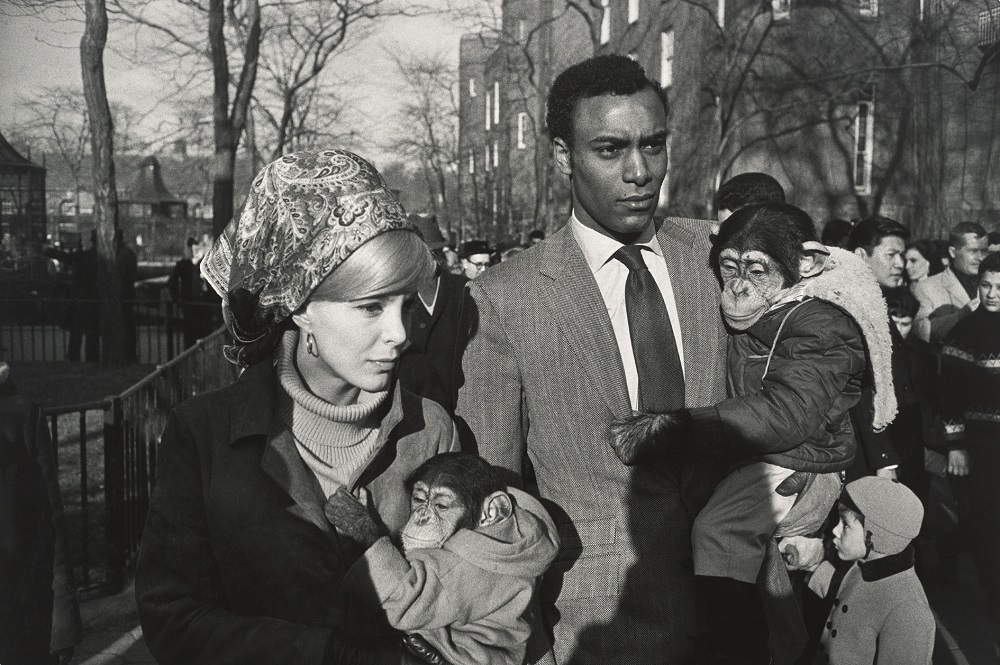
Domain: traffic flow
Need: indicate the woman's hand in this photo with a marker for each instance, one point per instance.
(801, 553)
(352, 519)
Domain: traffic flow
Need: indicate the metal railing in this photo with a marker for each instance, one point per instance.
(44, 329)
(107, 500)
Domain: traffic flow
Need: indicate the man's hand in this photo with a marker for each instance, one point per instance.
(958, 462)
(817, 492)
(886, 472)
(801, 553)
(352, 519)
(640, 434)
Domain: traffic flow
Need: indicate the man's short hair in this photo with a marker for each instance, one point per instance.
(870, 231)
(990, 264)
(611, 74)
(537, 234)
(748, 188)
(835, 232)
(901, 302)
(993, 238)
(956, 237)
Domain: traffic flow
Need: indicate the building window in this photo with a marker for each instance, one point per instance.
(721, 13)
(522, 122)
(496, 155)
(666, 59)
(605, 21)
(633, 11)
(522, 30)
(864, 143)
(486, 161)
(496, 102)
(489, 116)
(472, 162)
(868, 7)
(472, 86)
(782, 9)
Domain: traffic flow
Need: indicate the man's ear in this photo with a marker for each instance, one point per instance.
(813, 261)
(951, 252)
(861, 252)
(563, 156)
(496, 508)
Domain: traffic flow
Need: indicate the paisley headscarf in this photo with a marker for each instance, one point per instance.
(305, 214)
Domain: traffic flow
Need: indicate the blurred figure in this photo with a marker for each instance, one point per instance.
(950, 296)
(453, 264)
(922, 261)
(510, 253)
(475, 256)
(187, 291)
(743, 190)
(970, 390)
(993, 241)
(536, 237)
(836, 232)
(128, 270)
(428, 365)
(27, 536)
(84, 320)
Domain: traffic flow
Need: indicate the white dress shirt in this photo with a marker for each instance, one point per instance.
(611, 275)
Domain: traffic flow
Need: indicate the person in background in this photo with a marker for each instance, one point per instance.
(922, 261)
(743, 190)
(880, 614)
(993, 241)
(970, 395)
(429, 365)
(128, 271)
(476, 257)
(535, 237)
(84, 320)
(187, 292)
(238, 562)
(836, 232)
(950, 296)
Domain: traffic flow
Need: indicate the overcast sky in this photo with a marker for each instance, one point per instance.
(35, 53)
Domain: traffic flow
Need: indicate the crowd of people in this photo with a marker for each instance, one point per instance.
(638, 440)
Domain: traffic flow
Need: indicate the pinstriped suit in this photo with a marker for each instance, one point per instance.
(543, 380)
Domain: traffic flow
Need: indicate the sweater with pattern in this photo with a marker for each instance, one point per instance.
(970, 379)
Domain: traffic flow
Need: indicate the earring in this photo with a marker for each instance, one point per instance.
(311, 345)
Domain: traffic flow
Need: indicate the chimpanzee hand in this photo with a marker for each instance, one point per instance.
(638, 435)
(419, 647)
(352, 518)
(817, 492)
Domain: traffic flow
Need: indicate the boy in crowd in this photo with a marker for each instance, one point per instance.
(743, 190)
(880, 612)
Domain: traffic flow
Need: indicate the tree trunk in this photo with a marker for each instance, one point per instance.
(223, 163)
(112, 317)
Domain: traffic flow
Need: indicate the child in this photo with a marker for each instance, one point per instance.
(880, 613)
(473, 550)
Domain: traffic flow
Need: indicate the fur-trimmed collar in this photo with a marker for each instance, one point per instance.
(887, 566)
(848, 283)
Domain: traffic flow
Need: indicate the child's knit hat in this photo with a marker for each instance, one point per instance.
(892, 512)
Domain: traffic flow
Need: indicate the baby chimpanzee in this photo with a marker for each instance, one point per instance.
(473, 550)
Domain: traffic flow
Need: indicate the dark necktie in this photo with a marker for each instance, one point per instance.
(661, 380)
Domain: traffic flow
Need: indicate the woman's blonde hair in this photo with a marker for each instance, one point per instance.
(391, 262)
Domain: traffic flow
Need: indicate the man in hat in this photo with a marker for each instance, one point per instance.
(428, 365)
(475, 256)
(880, 606)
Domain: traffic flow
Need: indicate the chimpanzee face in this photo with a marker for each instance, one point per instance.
(435, 513)
(752, 282)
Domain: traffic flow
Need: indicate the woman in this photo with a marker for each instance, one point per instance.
(238, 563)
(922, 260)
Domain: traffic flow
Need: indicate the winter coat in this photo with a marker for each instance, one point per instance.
(794, 375)
(879, 617)
(468, 597)
(238, 564)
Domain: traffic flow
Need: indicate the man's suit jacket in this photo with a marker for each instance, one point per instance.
(429, 365)
(942, 304)
(543, 381)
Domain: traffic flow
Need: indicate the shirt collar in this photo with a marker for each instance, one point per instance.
(598, 248)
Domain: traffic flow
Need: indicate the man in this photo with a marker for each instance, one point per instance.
(951, 295)
(428, 366)
(187, 291)
(993, 241)
(552, 362)
(475, 256)
(746, 189)
(84, 322)
(128, 272)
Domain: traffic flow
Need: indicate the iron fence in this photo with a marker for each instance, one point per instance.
(107, 485)
(47, 329)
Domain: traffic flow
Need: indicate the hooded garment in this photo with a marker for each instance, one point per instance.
(467, 598)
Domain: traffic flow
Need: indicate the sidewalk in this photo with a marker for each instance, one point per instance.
(965, 636)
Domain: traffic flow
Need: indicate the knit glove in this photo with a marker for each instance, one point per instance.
(353, 519)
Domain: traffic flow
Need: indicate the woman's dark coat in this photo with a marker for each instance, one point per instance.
(238, 563)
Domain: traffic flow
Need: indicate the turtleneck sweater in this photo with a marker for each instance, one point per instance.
(334, 441)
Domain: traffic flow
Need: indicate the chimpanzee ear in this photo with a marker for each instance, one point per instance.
(813, 261)
(496, 508)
